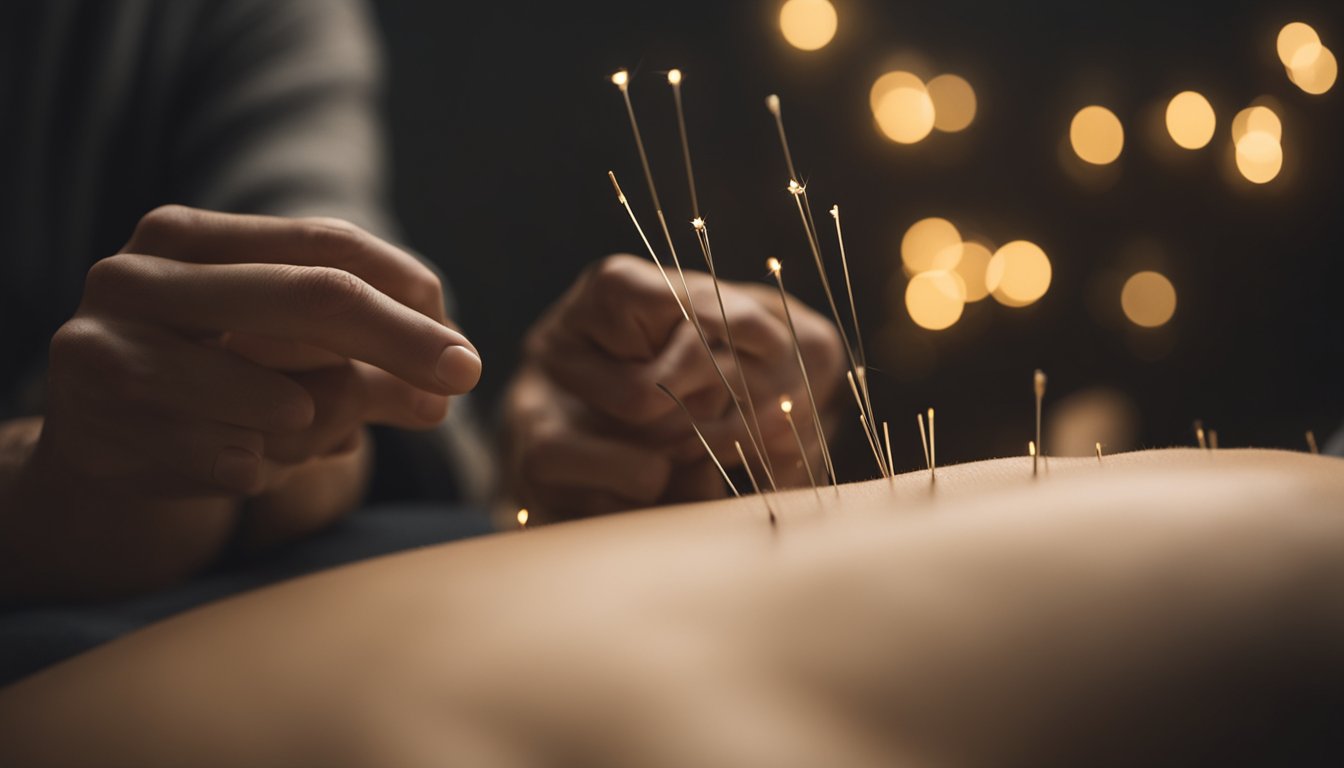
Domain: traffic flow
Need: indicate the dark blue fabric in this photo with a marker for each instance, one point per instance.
(33, 638)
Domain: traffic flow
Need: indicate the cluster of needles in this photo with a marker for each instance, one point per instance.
(743, 401)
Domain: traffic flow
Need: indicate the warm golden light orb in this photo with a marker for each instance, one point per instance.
(786, 405)
(953, 103)
(1259, 157)
(674, 76)
(1297, 44)
(890, 81)
(773, 265)
(808, 24)
(935, 299)
(1148, 299)
(1018, 274)
(1096, 135)
(620, 78)
(974, 261)
(905, 114)
(1258, 118)
(522, 517)
(932, 243)
(1316, 75)
(1190, 120)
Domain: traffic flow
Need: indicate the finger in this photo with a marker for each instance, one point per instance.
(213, 457)
(818, 338)
(623, 305)
(341, 400)
(394, 403)
(346, 398)
(755, 330)
(280, 354)
(210, 237)
(627, 391)
(325, 307)
(130, 367)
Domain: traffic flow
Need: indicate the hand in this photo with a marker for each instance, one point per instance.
(220, 357)
(588, 430)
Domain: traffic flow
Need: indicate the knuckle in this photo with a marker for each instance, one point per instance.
(327, 291)
(75, 343)
(155, 227)
(428, 291)
(752, 323)
(824, 344)
(90, 350)
(613, 274)
(332, 235)
(111, 277)
(334, 223)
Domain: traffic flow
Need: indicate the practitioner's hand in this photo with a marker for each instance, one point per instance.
(590, 432)
(222, 357)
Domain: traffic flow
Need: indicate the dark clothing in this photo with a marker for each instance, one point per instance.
(109, 109)
(33, 638)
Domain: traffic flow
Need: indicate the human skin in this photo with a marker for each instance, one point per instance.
(1174, 607)
(588, 431)
(219, 363)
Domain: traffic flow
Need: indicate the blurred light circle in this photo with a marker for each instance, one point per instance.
(974, 260)
(1190, 120)
(931, 244)
(1259, 157)
(1297, 42)
(935, 299)
(905, 114)
(1018, 274)
(1096, 135)
(1148, 299)
(890, 81)
(953, 103)
(1318, 76)
(808, 24)
(1259, 118)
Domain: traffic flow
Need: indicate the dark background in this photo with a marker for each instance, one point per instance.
(504, 126)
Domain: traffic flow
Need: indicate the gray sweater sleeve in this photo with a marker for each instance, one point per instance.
(281, 112)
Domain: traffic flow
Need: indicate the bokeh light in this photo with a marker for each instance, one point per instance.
(1297, 44)
(931, 244)
(1096, 135)
(890, 81)
(1317, 75)
(1259, 157)
(808, 24)
(953, 102)
(1257, 118)
(1190, 120)
(1018, 274)
(974, 261)
(935, 299)
(905, 114)
(1148, 299)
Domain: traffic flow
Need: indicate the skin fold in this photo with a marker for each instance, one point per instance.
(1175, 607)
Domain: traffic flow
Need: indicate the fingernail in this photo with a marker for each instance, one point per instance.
(237, 469)
(459, 368)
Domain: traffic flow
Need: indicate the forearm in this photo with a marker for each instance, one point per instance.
(62, 540)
